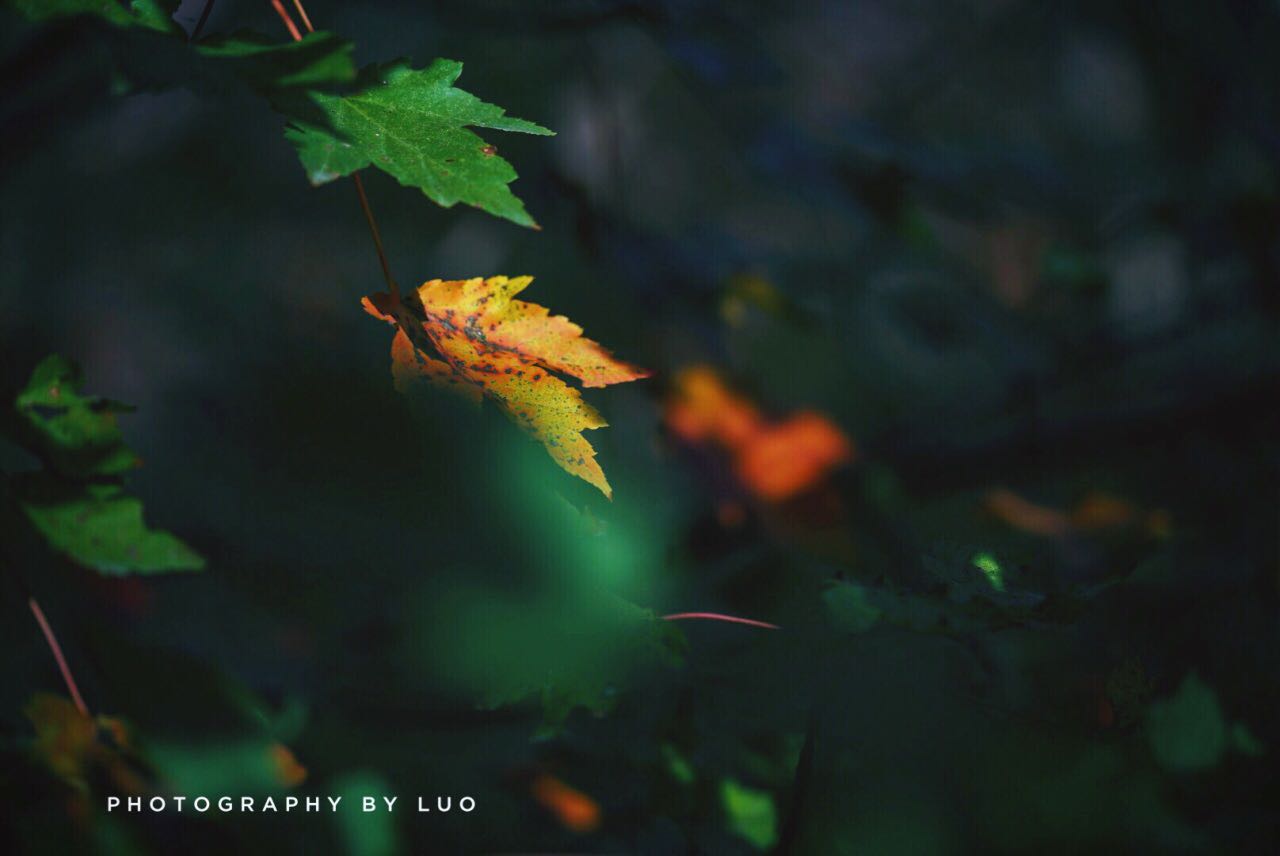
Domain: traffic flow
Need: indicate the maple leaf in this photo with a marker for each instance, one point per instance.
(412, 124)
(77, 435)
(101, 527)
(77, 503)
(491, 345)
(775, 460)
(78, 748)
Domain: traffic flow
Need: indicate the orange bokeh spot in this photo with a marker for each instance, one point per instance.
(1013, 510)
(783, 460)
(575, 810)
(774, 460)
(287, 769)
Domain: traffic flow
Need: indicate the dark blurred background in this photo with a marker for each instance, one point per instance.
(1025, 255)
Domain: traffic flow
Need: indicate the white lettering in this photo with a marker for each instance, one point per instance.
(369, 804)
(467, 803)
(196, 803)
(391, 802)
(112, 802)
(225, 804)
(269, 804)
(290, 803)
(246, 803)
(333, 801)
(178, 801)
(153, 802)
(134, 803)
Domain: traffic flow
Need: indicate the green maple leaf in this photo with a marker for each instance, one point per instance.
(76, 435)
(101, 527)
(77, 503)
(412, 124)
(320, 59)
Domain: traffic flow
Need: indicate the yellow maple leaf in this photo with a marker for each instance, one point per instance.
(76, 746)
(489, 344)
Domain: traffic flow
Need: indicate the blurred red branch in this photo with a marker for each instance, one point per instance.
(57, 655)
(715, 616)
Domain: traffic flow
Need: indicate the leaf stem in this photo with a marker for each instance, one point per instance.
(377, 239)
(57, 655)
(392, 287)
(716, 616)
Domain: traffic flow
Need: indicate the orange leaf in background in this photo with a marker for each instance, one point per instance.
(490, 344)
(774, 460)
(703, 408)
(1013, 510)
(1095, 512)
(72, 744)
(575, 810)
(1102, 511)
(783, 460)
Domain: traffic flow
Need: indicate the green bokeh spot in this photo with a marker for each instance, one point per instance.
(1188, 731)
(991, 568)
(751, 814)
(850, 609)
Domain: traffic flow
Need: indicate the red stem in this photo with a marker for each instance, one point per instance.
(715, 616)
(302, 13)
(288, 22)
(57, 655)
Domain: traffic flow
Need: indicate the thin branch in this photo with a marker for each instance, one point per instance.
(715, 616)
(204, 17)
(302, 13)
(377, 239)
(57, 655)
(392, 287)
(288, 22)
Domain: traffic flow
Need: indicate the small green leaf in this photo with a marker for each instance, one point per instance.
(991, 568)
(101, 527)
(320, 59)
(150, 14)
(1188, 731)
(411, 124)
(77, 435)
(751, 813)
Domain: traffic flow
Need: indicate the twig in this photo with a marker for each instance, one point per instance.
(392, 287)
(288, 22)
(204, 17)
(302, 13)
(377, 238)
(57, 655)
(715, 616)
